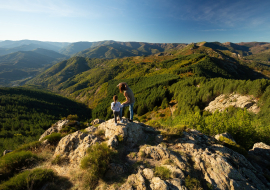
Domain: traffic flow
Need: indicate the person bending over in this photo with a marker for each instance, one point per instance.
(130, 100)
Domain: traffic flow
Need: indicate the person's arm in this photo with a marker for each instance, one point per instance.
(112, 106)
(127, 98)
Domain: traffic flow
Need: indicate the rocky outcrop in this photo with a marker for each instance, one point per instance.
(155, 152)
(236, 100)
(131, 132)
(193, 155)
(220, 166)
(74, 146)
(55, 128)
(201, 156)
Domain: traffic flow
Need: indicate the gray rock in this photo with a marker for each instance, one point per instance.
(55, 128)
(97, 121)
(158, 184)
(159, 138)
(74, 146)
(131, 132)
(112, 142)
(91, 129)
(236, 100)
(148, 173)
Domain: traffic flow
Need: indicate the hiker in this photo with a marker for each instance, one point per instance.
(130, 100)
(116, 106)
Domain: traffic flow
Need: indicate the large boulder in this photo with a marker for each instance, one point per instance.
(131, 132)
(260, 153)
(55, 128)
(74, 146)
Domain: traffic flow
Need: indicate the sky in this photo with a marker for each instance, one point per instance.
(156, 21)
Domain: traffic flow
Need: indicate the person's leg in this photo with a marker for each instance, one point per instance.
(121, 111)
(131, 111)
(115, 116)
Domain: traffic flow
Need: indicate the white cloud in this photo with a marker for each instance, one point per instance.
(50, 7)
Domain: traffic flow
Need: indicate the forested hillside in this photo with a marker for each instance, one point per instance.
(190, 77)
(26, 113)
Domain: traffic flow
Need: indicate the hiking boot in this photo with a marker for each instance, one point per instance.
(122, 121)
(130, 120)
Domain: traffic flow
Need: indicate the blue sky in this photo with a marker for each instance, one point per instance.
(161, 21)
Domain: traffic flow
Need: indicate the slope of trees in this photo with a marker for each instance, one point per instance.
(26, 113)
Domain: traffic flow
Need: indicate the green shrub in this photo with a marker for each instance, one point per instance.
(53, 138)
(15, 161)
(96, 163)
(29, 179)
(30, 146)
(162, 172)
(72, 117)
(68, 129)
(192, 183)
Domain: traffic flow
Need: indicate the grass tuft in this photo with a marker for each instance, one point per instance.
(29, 146)
(14, 162)
(162, 172)
(96, 163)
(29, 179)
(53, 138)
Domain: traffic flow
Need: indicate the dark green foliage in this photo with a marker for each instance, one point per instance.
(72, 117)
(53, 138)
(29, 179)
(26, 113)
(96, 163)
(164, 103)
(14, 162)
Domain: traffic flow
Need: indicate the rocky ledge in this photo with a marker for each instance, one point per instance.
(190, 156)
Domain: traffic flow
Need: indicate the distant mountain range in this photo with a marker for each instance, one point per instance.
(29, 57)
(23, 64)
